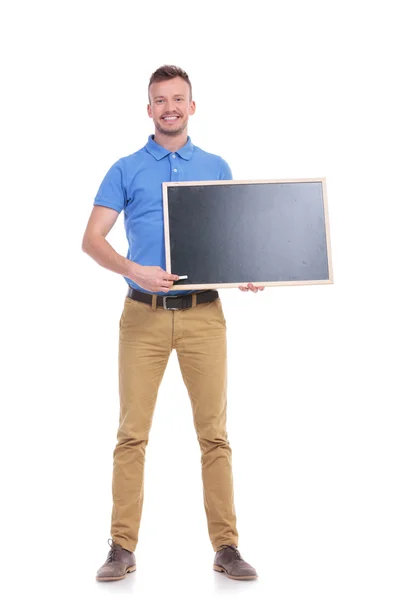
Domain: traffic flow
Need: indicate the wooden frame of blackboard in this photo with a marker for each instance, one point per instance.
(181, 286)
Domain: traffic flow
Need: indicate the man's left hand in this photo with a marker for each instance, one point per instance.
(251, 287)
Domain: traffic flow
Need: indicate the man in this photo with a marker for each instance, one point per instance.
(152, 324)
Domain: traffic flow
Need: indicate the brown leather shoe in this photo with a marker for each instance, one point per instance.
(228, 560)
(119, 562)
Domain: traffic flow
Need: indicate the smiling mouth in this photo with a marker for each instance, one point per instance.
(170, 119)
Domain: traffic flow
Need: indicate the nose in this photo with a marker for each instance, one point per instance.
(169, 107)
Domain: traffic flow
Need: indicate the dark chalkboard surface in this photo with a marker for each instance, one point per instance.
(230, 233)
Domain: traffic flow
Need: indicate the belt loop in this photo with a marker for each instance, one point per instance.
(194, 300)
(154, 302)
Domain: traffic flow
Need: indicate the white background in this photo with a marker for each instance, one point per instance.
(283, 89)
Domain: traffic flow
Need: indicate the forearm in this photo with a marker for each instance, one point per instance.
(104, 254)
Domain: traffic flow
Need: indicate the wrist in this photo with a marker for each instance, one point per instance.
(133, 270)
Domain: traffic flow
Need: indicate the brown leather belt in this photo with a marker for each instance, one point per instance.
(174, 302)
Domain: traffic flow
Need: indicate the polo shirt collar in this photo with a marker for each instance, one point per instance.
(159, 152)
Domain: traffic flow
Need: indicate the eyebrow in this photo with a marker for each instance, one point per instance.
(175, 96)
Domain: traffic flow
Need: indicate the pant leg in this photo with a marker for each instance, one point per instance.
(200, 341)
(145, 341)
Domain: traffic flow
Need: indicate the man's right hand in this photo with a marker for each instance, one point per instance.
(153, 279)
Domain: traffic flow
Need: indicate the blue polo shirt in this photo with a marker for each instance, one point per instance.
(134, 184)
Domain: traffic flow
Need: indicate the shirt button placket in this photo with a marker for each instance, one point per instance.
(175, 173)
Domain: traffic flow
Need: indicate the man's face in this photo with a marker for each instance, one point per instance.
(170, 105)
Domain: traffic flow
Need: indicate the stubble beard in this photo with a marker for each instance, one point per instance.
(170, 132)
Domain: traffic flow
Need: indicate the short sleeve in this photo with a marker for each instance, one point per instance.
(112, 190)
(225, 170)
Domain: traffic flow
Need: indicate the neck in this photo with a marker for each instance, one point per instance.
(171, 143)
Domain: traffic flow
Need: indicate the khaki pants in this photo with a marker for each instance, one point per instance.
(146, 339)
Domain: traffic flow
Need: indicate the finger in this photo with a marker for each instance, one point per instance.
(167, 275)
(170, 277)
(162, 283)
(165, 285)
(243, 289)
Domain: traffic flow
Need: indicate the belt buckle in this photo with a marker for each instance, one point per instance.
(164, 301)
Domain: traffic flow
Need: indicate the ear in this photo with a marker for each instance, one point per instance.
(192, 107)
(149, 111)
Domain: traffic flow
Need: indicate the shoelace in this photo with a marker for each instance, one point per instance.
(111, 553)
(235, 549)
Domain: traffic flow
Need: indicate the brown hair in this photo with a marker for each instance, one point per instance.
(169, 72)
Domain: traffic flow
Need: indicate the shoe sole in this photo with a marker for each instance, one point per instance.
(222, 570)
(129, 570)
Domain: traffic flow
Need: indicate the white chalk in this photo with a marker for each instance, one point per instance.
(183, 277)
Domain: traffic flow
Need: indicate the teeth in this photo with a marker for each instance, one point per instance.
(169, 118)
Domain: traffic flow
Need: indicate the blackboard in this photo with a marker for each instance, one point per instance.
(229, 233)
